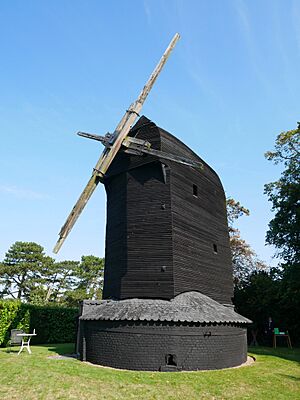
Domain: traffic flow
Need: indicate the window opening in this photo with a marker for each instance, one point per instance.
(171, 360)
(195, 190)
(215, 247)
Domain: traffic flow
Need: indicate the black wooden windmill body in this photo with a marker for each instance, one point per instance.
(168, 273)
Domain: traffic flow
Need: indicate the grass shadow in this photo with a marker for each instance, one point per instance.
(61, 348)
(291, 377)
(280, 352)
(57, 348)
(12, 350)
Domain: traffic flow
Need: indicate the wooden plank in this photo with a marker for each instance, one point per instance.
(109, 154)
(138, 145)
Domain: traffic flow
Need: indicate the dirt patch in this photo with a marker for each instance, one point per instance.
(250, 361)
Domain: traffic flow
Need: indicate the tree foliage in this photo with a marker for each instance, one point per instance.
(61, 278)
(21, 269)
(284, 228)
(259, 298)
(89, 275)
(244, 258)
(277, 293)
(26, 273)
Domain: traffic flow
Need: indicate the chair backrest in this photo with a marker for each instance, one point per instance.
(276, 331)
(14, 339)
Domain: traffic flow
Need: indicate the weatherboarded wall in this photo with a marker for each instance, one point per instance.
(201, 252)
(166, 225)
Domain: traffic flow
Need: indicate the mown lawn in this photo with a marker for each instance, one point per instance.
(274, 375)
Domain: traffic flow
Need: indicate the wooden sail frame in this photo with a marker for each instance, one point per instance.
(109, 153)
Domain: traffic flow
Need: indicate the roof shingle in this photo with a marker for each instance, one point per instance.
(186, 307)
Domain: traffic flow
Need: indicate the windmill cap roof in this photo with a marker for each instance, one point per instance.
(186, 307)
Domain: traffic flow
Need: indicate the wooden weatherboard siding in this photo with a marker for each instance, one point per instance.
(199, 224)
(167, 228)
(116, 235)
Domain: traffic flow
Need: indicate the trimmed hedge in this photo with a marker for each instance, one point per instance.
(12, 316)
(53, 324)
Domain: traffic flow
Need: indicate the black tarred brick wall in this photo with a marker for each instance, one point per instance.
(144, 346)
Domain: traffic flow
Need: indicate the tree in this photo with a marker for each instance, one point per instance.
(90, 273)
(28, 274)
(244, 258)
(21, 269)
(61, 278)
(259, 298)
(90, 281)
(284, 228)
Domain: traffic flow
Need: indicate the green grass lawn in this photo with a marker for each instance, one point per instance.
(274, 375)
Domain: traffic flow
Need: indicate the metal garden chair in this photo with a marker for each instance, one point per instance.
(14, 339)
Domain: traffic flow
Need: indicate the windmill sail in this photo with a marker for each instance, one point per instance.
(109, 153)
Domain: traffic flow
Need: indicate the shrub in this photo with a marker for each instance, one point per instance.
(53, 324)
(12, 316)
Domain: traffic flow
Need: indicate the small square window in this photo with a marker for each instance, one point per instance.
(195, 190)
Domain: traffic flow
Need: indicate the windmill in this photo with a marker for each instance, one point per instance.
(168, 274)
(119, 141)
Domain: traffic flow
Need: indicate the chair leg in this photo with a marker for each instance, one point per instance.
(289, 341)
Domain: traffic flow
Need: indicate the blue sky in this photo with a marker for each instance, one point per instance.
(230, 86)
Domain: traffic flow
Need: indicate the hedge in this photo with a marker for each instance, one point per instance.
(53, 324)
